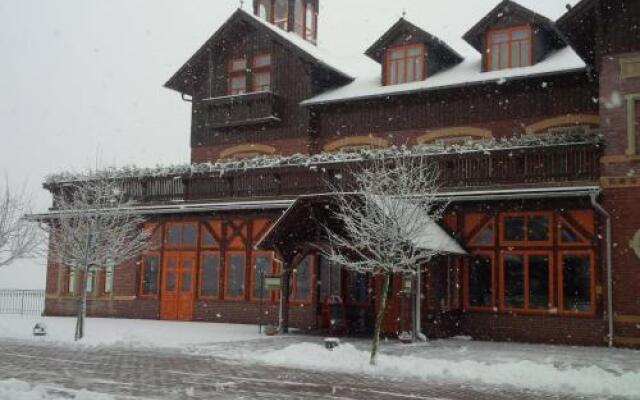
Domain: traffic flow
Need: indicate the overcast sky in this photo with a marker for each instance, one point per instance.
(81, 80)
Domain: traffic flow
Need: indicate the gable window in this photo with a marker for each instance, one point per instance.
(281, 13)
(261, 72)
(509, 48)
(237, 76)
(405, 64)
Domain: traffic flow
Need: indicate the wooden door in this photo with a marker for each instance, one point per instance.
(186, 286)
(169, 292)
(178, 286)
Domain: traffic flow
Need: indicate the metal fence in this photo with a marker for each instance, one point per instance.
(21, 302)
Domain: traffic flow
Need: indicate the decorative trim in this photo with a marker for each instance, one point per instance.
(627, 341)
(627, 319)
(356, 141)
(618, 158)
(619, 181)
(247, 148)
(631, 123)
(123, 298)
(568, 119)
(454, 132)
(630, 67)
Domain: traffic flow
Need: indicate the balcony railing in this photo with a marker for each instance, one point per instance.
(242, 110)
(550, 165)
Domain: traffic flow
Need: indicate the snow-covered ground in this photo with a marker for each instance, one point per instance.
(13, 389)
(127, 332)
(593, 372)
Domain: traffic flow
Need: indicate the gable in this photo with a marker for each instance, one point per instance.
(195, 70)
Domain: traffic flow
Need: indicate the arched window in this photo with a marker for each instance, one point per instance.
(568, 123)
(310, 24)
(299, 17)
(250, 150)
(281, 16)
(455, 135)
(355, 143)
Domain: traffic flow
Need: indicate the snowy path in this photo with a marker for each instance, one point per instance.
(165, 374)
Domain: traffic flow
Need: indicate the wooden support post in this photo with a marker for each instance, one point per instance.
(284, 297)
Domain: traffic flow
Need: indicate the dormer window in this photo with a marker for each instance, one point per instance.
(237, 76)
(509, 48)
(405, 64)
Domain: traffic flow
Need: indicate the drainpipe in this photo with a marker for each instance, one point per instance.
(607, 216)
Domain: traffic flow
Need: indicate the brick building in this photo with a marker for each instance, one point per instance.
(531, 115)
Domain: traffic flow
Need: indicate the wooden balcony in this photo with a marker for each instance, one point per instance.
(249, 109)
(525, 167)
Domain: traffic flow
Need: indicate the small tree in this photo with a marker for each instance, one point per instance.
(18, 237)
(385, 224)
(92, 228)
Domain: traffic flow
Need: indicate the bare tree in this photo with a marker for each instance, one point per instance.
(386, 224)
(93, 226)
(18, 237)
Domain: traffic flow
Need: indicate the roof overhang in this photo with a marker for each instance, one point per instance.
(182, 208)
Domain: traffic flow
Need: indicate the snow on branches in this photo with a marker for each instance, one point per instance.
(19, 238)
(271, 161)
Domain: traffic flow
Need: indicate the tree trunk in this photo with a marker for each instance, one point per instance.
(379, 317)
(82, 308)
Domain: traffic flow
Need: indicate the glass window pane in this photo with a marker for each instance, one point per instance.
(108, 276)
(397, 54)
(261, 268)
(538, 229)
(170, 285)
(303, 279)
(485, 236)
(150, 274)
(499, 37)
(174, 234)
(190, 235)
(238, 84)
(419, 69)
(414, 51)
(411, 71)
(568, 235)
(72, 281)
(401, 77)
(515, 54)
(88, 286)
(359, 290)
(235, 275)
(186, 281)
(524, 54)
(495, 57)
(262, 81)
(480, 281)
(504, 55)
(263, 60)
(576, 282)
(310, 29)
(514, 229)
(393, 74)
(538, 281)
(520, 34)
(281, 13)
(206, 238)
(514, 280)
(210, 274)
(239, 64)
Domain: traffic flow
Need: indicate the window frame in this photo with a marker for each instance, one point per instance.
(267, 297)
(235, 73)
(227, 261)
(203, 254)
(494, 291)
(141, 292)
(264, 69)
(527, 243)
(509, 31)
(406, 58)
(550, 290)
(284, 20)
(592, 283)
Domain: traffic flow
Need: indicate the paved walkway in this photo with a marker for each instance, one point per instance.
(156, 374)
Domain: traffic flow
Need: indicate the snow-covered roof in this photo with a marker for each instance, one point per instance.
(424, 232)
(449, 23)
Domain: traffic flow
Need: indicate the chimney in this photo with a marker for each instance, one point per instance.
(298, 16)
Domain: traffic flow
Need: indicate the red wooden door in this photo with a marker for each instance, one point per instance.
(178, 284)
(186, 287)
(169, 292)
